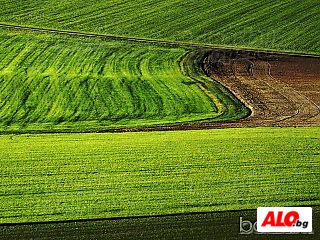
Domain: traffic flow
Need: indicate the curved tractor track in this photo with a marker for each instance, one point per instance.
(280, 90)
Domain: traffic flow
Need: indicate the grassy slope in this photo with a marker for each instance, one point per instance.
(62, 83)
(46, 177)
(72, 176)
(290, 25)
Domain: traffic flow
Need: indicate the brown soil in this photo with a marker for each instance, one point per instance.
(281, 90)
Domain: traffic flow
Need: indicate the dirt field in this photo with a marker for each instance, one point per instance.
(281, 90)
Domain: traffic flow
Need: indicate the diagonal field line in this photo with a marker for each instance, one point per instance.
(150, 41)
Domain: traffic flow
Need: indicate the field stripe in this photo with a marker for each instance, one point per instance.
(48, 177)
(151, 41)
(185, 226)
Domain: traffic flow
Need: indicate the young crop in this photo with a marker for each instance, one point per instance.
(80, 176)
(55, 83)
(290, 25)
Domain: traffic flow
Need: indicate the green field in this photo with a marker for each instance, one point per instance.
(58, 83)
(290, 25)
(79, 176)
(58, 89)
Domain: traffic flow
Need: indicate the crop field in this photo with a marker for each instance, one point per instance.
(59, 83)
(88, 90)
(81, 176)
(290, 25)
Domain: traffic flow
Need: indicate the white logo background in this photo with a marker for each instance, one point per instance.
(305, 218)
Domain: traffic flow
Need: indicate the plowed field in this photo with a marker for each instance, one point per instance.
(281, 90)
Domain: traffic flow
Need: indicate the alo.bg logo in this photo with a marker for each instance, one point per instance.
(284, 219)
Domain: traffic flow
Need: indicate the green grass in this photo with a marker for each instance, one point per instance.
(289, 25)
(50, 82)
(78, 176)
(55, 83)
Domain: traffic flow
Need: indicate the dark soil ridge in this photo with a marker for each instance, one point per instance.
(209, 225)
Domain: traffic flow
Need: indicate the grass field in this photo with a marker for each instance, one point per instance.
(79, 176)
(290, 25)
(53, 83)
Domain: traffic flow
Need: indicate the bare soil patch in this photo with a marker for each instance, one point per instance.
(281, 90)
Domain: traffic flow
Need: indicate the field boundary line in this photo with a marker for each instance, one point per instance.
(153, 41)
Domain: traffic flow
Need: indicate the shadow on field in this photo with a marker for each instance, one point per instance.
(217, 225)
